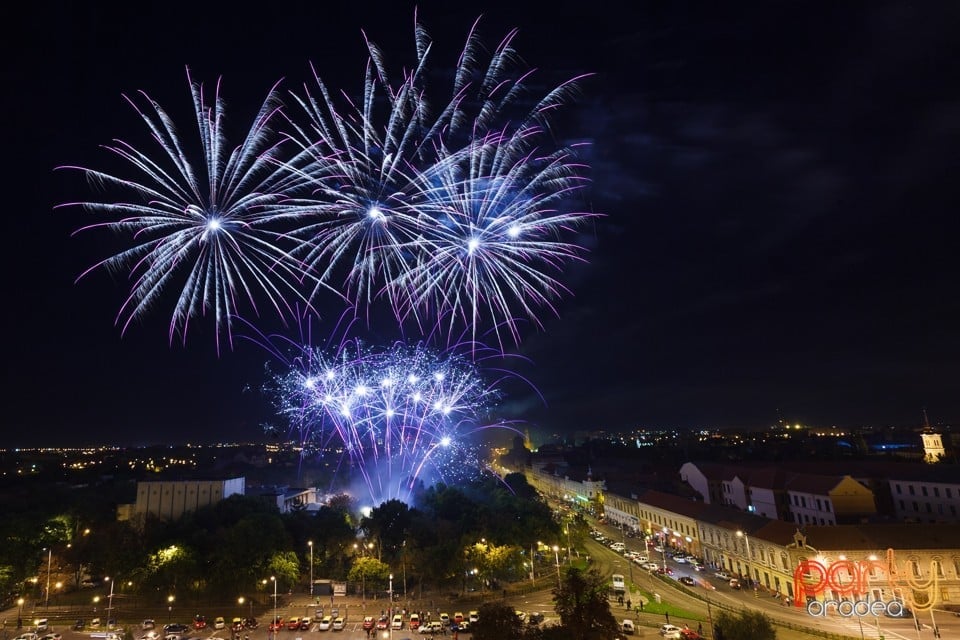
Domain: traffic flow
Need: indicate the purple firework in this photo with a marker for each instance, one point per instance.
(400, 415)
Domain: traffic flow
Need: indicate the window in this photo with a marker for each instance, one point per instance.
(899, 489)
(924, 490)
(949, 492)
(819, 505)
(827, 503)
(901, 506)
(916, 507)
(929, 508)
(936, 492)
(915, 568)
(938, 567)
(803, 501)
(912, 492)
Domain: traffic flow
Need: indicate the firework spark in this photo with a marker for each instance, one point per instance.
(204, 229)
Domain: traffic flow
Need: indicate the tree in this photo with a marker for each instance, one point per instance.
(498, 621)
(748, 625)
(583, 606)
(369, 572)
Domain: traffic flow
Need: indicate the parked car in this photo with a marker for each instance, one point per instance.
(339, 623)
(414, 621)
(293, 624)
(368, 622)
(175, 628)
(276, 624)
(431, 628)
(383, 623)
(147, 624)
(668, 629)
(251, 623)
(397, 622)
(473, 617)
(325, 623)
(219, 623)
(236, 625)
(535, 617)
(627, 627)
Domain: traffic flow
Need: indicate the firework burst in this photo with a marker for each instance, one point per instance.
(458, 218)
(399, 415)
(206, 229)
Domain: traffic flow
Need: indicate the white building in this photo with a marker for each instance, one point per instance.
(170, 499)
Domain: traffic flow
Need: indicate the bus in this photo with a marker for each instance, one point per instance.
(619, 586)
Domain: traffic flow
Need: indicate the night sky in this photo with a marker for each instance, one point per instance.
(779, 184)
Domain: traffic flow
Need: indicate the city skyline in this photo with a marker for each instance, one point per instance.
(774, 240)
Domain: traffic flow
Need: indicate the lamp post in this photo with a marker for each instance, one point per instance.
(170, 600)
(390, 591)
(556, 557)
(623, 539)
(566, 530)
(20, 613)
(746, 539)
(310, 544)
(663, 548)
(533, 575)
(110, 600)
(274, 580)
(49, 563)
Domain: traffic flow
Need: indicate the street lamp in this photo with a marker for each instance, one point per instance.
(110, 598)
(274, 579)
(746, 539)
(20, 613)
(170, 600)
(556, 557)
(391, 596)
(663, 547)
(310, 544)
(49, 562)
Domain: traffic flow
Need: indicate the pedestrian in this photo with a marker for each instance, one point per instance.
(629, 604)
(667, 613)
(699, 628)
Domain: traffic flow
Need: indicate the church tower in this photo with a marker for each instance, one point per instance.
(933, 449)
